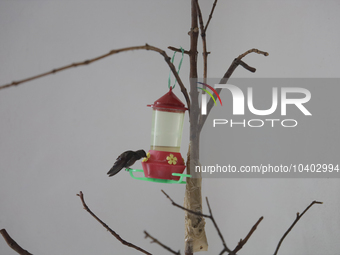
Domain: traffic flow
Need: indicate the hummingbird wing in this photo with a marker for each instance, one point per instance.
(134, 157)
(121, 162)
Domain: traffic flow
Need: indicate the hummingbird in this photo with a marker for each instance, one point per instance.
(125, 160)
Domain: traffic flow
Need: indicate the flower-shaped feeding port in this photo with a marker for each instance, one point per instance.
(171, 159)
(147, 157)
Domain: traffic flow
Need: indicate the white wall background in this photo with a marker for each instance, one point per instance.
(61, 134)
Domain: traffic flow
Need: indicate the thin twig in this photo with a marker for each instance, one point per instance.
(217, 228)
(246, 66)
(211, 217)
(13, 244)
(298, 217)
(193, 62)
(237, 61)
(154, 240)
(251, 51)
(185, 209)
(243, 242)
(204, 42)
(108, 228)
(210, 16)
(178, 50)
(112, 52)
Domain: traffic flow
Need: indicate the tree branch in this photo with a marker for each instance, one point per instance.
(204, 42)
(13, 244)
(112, 52)
(298, 217)
(193, 59)
(210, 16)
(211, 217)
(243, 242)
(178, 50)
(217, 228)
(108, 228)
(251, 51)
(249, 68)
(237, 61)
(185, 209)
(154, 240)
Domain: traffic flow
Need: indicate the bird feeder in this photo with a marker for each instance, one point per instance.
(164, 158)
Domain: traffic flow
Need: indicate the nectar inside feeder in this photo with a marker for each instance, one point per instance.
(164, 158)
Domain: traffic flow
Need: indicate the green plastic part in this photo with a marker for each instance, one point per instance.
(180, 181)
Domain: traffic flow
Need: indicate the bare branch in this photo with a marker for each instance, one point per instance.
(108, 228)
(249, 68)
(178, 50)
(211, 217)
(13, 244)
(237, 61)
(243, 242)
(112, 52)
(185, 209)
(202, 215)
(204, 42)
(154, 240)
(210, 16)
(200, 18)
(217, 228)
(251, 51)
(193, 64)
(298, 217)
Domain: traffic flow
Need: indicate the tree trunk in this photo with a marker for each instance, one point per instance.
(195, 238)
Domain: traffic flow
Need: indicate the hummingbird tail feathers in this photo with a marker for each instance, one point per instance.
(114, 170)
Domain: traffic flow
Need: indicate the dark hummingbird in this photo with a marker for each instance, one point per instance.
(125, 160)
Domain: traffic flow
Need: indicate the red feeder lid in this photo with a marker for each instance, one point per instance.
(168, 102)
